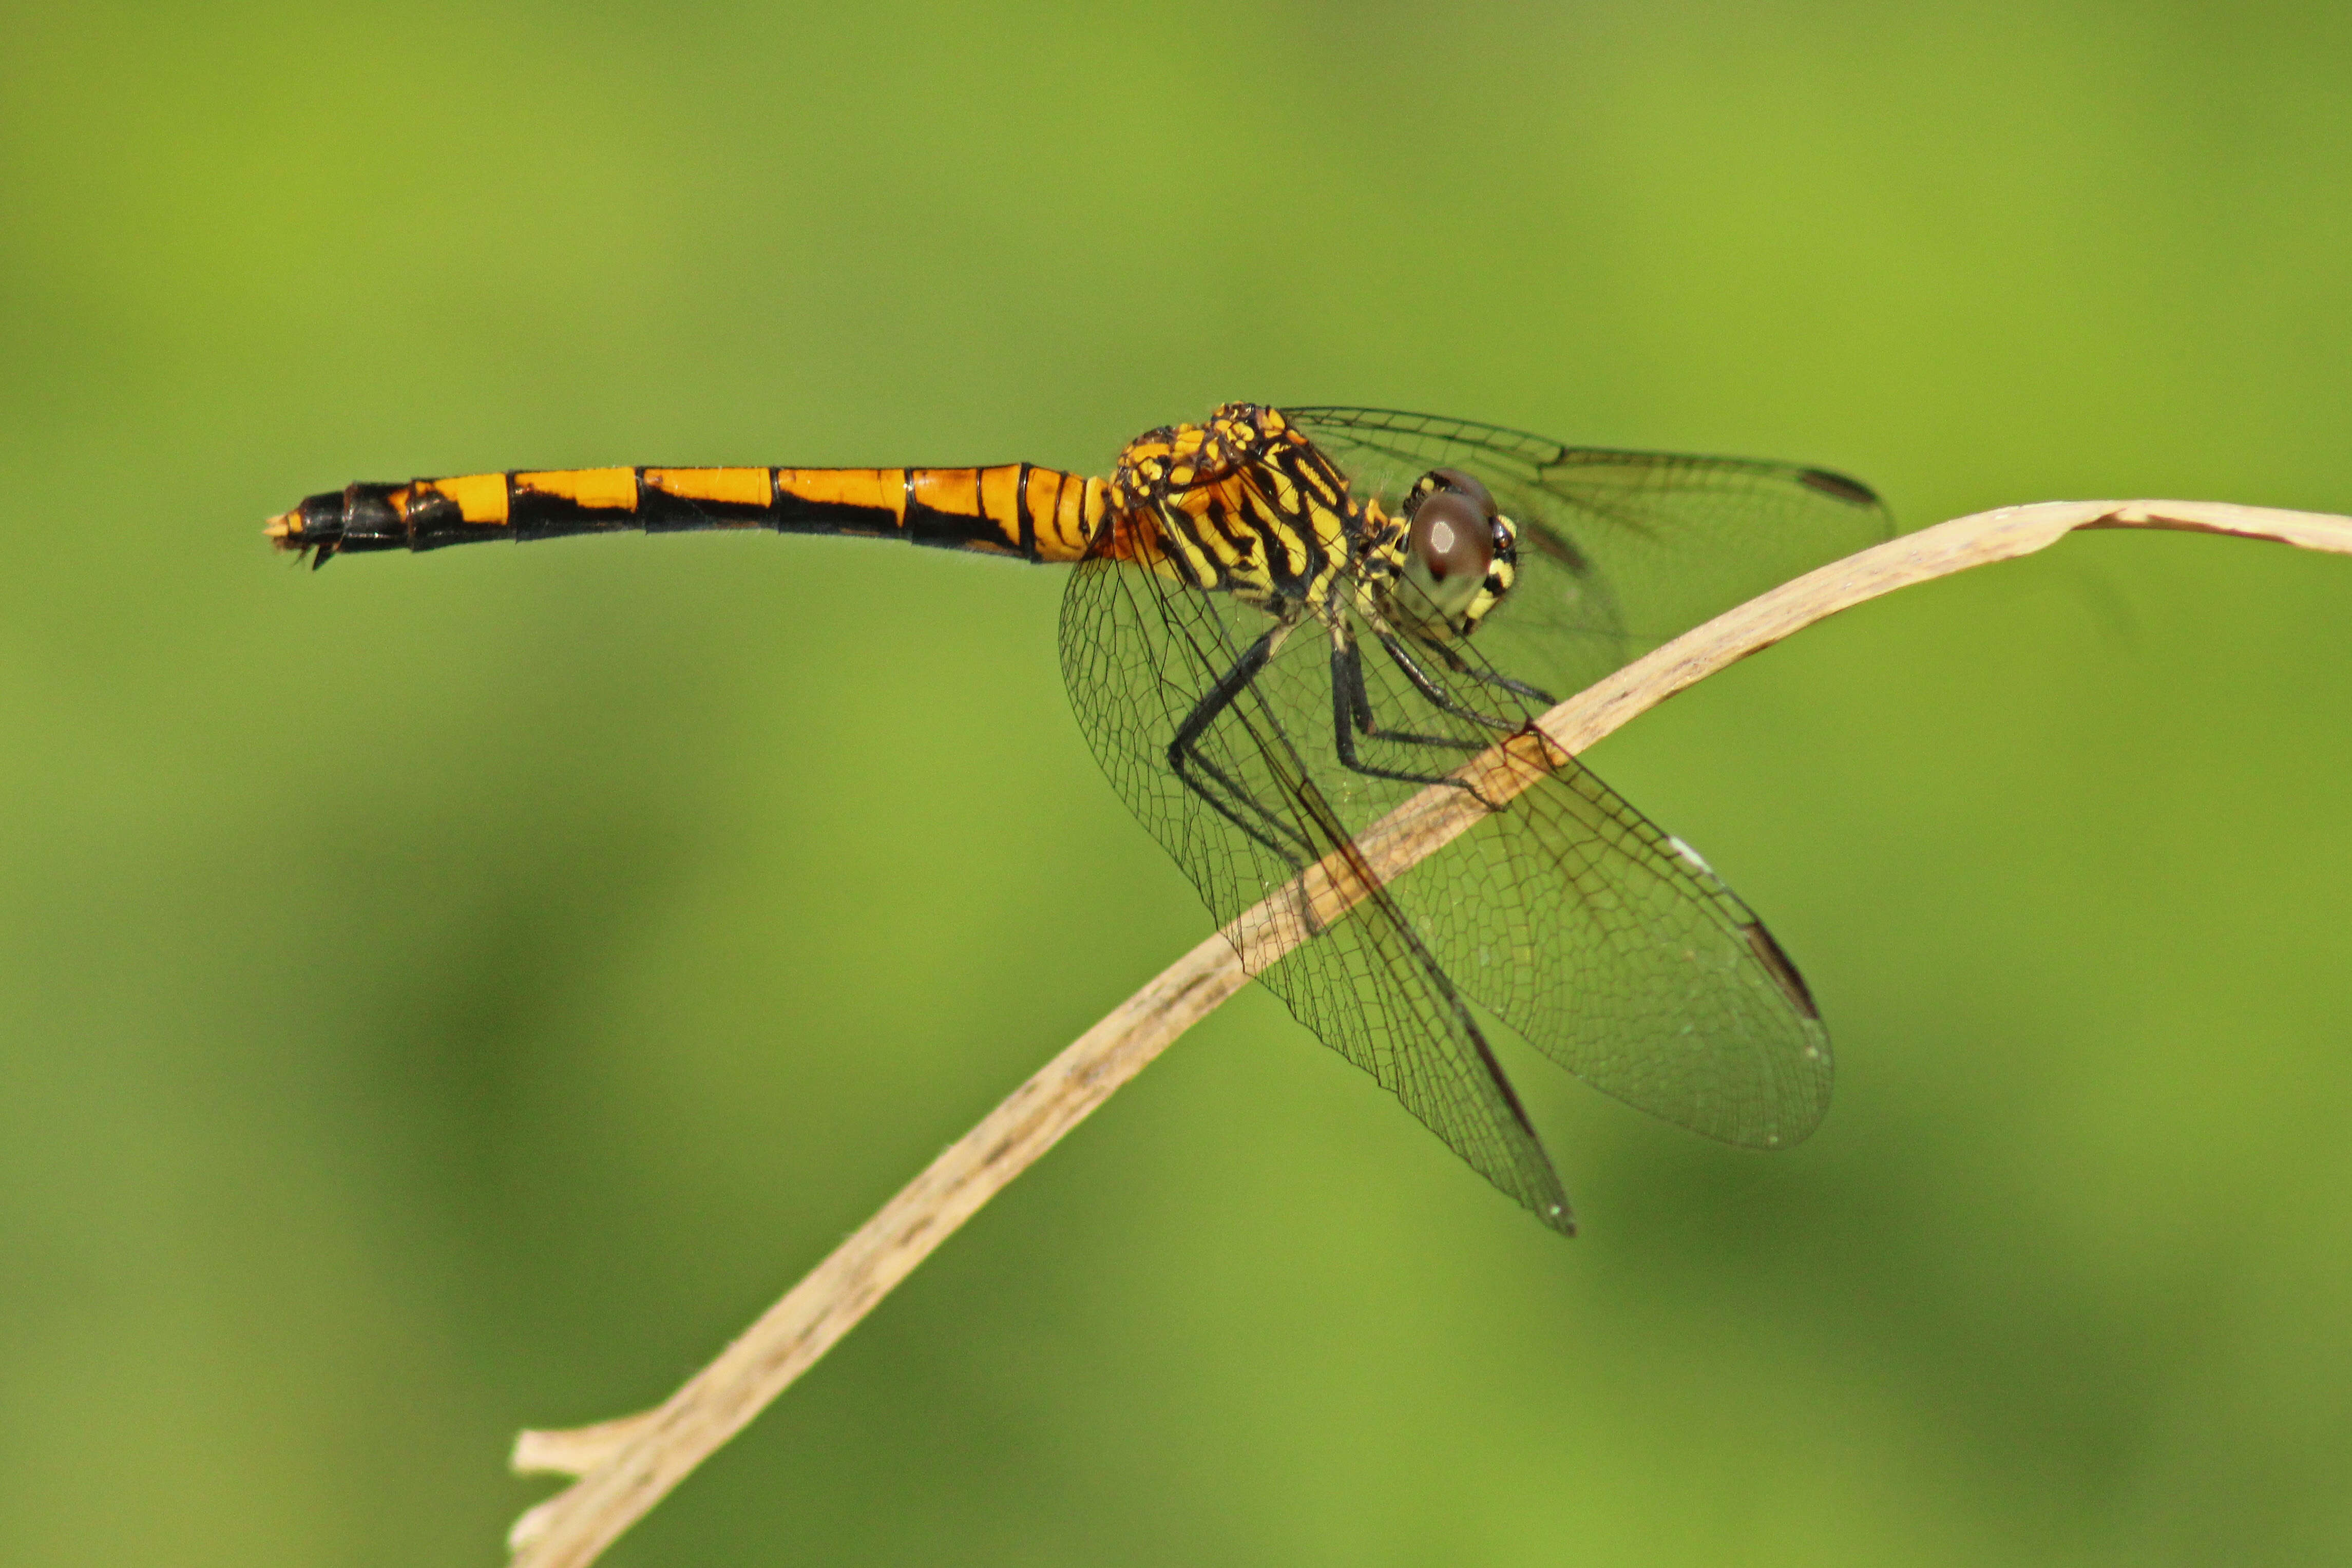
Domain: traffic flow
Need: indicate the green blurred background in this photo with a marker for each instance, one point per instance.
(446, 994)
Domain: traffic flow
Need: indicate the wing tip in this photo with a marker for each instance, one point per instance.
(1782, 969)
(1842, 488)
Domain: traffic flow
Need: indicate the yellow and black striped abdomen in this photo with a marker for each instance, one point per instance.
(1014, 509)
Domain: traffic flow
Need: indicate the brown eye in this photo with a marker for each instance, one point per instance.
(1466, 484)
(1452, 536)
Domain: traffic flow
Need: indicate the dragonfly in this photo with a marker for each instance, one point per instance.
(1280, 624)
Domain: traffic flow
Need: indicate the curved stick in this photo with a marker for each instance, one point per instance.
(627, 1465)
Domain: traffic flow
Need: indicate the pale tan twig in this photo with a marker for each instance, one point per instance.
(627, 1465)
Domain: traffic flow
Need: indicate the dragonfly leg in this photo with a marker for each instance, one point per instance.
(1460, 666)
(1351, 711)
(1428, 686)
(1191, 766)
(1347, 676)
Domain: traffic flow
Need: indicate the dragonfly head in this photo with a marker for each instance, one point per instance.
(1461, 556)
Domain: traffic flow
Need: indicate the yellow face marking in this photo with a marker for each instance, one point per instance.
(879, 489)
(953, 491)
(727, 486)
(1490, 594)
(604, 490)
(481, 498)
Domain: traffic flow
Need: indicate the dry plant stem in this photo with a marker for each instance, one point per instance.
(627, 1465)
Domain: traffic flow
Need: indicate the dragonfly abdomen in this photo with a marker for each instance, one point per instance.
(1013, 509)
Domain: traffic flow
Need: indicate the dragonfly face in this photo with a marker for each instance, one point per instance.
(1280, 624)
(1461, 556)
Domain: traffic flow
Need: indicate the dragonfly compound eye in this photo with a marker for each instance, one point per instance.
(1464, 484)
(1452, 538)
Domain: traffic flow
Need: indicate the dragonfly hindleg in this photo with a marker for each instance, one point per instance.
(1197, 773)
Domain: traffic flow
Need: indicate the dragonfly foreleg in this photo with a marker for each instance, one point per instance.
(1429, 686)
(1347, 677)
(1496, 679)
(1352, 710)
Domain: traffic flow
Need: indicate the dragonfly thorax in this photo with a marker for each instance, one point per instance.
(1244, 504)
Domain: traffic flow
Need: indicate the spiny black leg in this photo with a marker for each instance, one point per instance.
(1361, 702)
(1428, 687)
(1297, 858)
(1185, 749)
(1460, 666)
(1351, 708)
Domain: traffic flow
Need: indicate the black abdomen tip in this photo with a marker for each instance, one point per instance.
(361, 516)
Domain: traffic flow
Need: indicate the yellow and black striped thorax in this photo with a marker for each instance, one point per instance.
(1014, 509)
(1245, 504)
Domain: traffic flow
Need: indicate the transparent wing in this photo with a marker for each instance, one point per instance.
(1619, 550)
(1618, 953)
(1138, 653)
(1609, 945)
